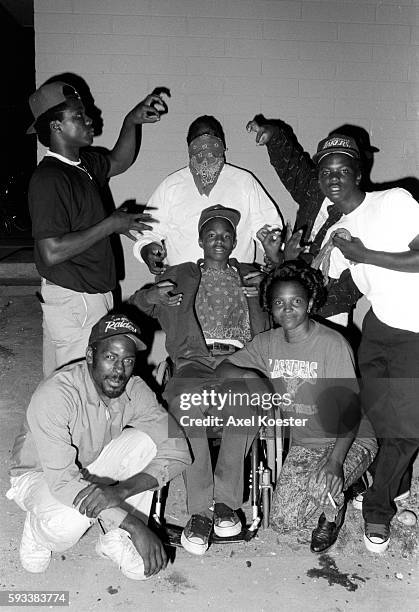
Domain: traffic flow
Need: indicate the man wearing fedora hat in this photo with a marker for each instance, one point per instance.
(70, 223)
(94, 445)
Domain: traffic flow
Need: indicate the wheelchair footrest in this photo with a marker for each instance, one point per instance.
(170, 535)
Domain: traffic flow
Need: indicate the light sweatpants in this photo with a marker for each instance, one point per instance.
(57, 526)
(68, 318)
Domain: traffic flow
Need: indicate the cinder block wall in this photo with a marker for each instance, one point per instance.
(315, 65)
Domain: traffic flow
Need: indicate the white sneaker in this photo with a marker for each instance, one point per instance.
(226, 521)
(117, 545)
(376, 537)
(34, 557)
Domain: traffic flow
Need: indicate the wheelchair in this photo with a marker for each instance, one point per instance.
(266, 457)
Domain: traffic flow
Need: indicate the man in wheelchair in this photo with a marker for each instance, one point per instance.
(208, 310)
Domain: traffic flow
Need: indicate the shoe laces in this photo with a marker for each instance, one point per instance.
(224, 513)
(377, 530)
(200, 525)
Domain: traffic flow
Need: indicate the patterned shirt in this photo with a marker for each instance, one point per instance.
(221, 306)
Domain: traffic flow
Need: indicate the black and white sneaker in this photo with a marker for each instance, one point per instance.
(376, 537)
(196, 534)
(226, 521)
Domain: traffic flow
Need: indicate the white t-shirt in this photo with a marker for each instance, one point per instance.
(384, 221)
(179, 205)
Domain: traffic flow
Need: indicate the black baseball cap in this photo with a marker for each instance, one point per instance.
(116, 325)
(337, 143)
(219, 212)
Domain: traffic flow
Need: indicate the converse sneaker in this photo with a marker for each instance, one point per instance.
(195, 536)
(376, 537)
(34, 557)
(226, 521)
(117, 545)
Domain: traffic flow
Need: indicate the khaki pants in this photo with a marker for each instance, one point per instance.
(68, 318)
(57, 526)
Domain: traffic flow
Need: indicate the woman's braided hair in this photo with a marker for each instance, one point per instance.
(299, 272)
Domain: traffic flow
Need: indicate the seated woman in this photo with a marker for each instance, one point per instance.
(208, 310)
(313, 369)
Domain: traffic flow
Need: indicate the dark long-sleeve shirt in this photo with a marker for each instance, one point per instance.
(184, 336)
(298, 174)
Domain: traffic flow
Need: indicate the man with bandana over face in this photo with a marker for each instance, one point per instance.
(208, 180)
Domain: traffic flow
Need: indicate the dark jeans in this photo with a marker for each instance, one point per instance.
(203, 486)
(406, 479)
(389, 363)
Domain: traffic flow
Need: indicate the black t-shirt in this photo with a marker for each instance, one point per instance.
(64, 199)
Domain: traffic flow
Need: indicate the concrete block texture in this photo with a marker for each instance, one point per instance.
(338, 12)
(53, 6)
(315, 64)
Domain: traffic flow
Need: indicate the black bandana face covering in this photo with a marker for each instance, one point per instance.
(206, 160)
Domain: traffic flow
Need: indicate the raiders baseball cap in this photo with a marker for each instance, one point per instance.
(116, 325)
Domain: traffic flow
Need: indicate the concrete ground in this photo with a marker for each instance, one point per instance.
(268, 573)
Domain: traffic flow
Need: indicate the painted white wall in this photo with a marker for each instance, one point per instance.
(315, 65)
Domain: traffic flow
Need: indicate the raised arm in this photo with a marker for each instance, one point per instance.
(292, 164)
(128, 144)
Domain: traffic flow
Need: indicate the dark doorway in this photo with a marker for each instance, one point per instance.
(18, 151)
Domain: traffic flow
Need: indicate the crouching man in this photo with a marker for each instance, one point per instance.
(94, 446)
